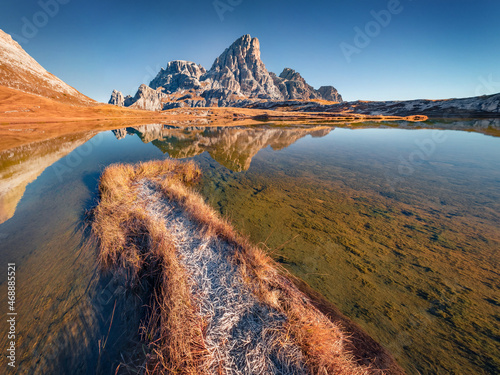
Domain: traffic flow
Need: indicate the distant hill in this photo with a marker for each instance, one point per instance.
(487, 106)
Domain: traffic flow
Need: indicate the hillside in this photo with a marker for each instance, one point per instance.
(18, 70)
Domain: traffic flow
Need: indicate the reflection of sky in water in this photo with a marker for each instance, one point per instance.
(453, 173)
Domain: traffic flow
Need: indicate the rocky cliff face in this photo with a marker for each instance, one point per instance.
(293, 87)
(145, 98)
(179, 75)
(148, 98)
(240, 69)
(330, 93)
(237, 77)
(117, 98)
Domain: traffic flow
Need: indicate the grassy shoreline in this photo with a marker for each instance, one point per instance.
(136, 233)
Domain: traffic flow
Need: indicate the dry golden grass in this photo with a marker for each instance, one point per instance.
(125, 232)
(131, 238)
(18, 107)
(320, 340)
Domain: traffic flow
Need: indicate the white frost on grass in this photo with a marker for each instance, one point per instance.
(243, 336)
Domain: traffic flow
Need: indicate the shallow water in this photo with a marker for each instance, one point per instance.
(397, 227)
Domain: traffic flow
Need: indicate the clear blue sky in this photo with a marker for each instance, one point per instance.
(429, 48)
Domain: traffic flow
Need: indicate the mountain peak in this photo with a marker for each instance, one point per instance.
(245, 40)
(245, 47)
(179, 74)
(237, 75)
(249, 44)
(240, 69)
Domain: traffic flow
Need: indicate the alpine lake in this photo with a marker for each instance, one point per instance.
(397, 224)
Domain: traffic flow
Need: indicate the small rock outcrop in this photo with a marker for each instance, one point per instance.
(148, 98)
(117, 99)
(330, 93)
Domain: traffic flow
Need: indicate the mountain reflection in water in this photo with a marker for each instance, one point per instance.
(22, 165)
(232, 147)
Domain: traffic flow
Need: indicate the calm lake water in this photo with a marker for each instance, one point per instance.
(398, 227)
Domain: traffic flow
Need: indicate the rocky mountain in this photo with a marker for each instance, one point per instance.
(293, 87)
(330, 93)
(179, 75)
(20, 71)
(238, 77)
(240, 69)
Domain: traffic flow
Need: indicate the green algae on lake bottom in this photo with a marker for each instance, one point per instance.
(417, 267)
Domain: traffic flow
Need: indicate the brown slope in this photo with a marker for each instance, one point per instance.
(18, 70)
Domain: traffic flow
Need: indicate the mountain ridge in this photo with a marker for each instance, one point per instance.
(238, 77)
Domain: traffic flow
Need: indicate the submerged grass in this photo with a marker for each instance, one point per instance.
(147, 213)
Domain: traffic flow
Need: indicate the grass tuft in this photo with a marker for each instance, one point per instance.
(130, 238)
